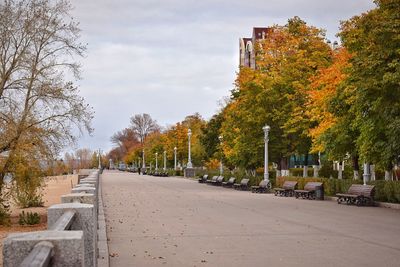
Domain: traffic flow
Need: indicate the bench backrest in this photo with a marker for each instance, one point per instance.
(362, 190)
(220, 179)
(244, 181)
(289, 185)
(310, 186)
(205, 176)
(231, 180)
(214, 178)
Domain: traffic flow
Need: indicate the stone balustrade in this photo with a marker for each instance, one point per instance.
(72, 235)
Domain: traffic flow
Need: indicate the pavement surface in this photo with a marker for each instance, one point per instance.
(159, 221)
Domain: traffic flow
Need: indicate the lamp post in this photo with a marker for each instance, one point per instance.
(189, 165)
(165, 160)
(367, 173)
(175, 158)
(144, 164)
(266, 129)
(221, 167)
(156, 161)
(99, 160)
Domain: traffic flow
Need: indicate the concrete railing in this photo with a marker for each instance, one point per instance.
(71, 238)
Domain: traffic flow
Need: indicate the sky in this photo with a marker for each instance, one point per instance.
(173, 58)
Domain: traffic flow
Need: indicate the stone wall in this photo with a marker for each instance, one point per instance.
(75, 246)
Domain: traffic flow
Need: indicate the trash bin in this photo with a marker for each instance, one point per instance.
(319, 192)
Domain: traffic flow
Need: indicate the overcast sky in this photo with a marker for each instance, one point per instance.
(172, 58)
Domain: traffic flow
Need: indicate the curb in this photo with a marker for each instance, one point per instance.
(394, 206)
(103, 255)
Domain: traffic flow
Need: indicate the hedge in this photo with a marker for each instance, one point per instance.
(385, 191)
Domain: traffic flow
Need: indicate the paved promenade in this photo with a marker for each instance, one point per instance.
(158, 221)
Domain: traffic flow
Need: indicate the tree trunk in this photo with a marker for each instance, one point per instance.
(284, 166)
(356, 167)
(316, 170)
(279, 168)
(389, 172)
(340, 170)
(305, 167)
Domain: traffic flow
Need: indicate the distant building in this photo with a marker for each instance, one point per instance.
(246, 45)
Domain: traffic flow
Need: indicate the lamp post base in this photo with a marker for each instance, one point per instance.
(190, 172)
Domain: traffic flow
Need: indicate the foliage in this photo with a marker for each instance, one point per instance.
(210, 136)
(275, 94)
(327, 170)
(298, 172)
(29, 218)
(39, 104)
(27, 182)
(373, 39)
(323, 89)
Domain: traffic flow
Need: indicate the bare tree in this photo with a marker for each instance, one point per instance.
(143, 125)
(38, 50)
(125, 139)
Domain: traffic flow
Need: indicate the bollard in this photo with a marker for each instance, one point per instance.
(68, 247)
(88, 190)
(85, 185)
(79, 198)
(84, 220)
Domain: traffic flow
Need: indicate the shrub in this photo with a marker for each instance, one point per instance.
(298, 172)
(29, 218)
(327, 170)
(385, 191)
(4, 206)
(27, 183)
(4, 213)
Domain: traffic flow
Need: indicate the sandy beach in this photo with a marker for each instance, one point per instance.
(56, 186)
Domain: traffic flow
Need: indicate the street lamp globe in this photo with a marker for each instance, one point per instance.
(266, 129)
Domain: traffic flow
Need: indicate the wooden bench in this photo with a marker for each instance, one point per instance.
(287, 189)
(219, 181)
(203, 178)
(261, 188)
(358, 194)
(309, 190)
(229, 183)
(213, 180)
(243, 185)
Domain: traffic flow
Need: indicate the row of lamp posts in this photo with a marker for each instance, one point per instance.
(189, 165)
(266, 130)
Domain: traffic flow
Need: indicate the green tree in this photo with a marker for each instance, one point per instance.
(373, 39)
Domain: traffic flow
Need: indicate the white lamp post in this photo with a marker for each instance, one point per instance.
(165, 160)
(189, 165)
(156, 161)
(367, 173)
(266, 129)
(144, 164)
(175, 158)
(221, 167)
(99, 160)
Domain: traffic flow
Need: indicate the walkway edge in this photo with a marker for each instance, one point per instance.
(103, 258)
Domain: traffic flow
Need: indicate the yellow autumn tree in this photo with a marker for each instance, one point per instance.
(323, 88)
